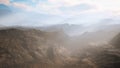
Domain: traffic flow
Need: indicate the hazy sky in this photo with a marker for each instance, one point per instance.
(58, 11)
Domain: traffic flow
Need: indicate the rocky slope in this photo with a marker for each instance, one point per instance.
(19, 46)
(32, 48)
(116, 41)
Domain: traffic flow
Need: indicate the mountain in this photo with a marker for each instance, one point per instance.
(95, 55)
(34, 48)
(101, 34)
(69, 29)
(20, 46)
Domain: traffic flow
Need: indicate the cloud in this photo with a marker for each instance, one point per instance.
(78, 8)
(50, 6)
(23, 6)
(100, 5)
(66, 7)
(65, 3)
(6, 2)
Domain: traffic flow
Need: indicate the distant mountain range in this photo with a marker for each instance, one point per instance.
(77, 30)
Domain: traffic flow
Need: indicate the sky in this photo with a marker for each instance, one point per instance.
(60, 11)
